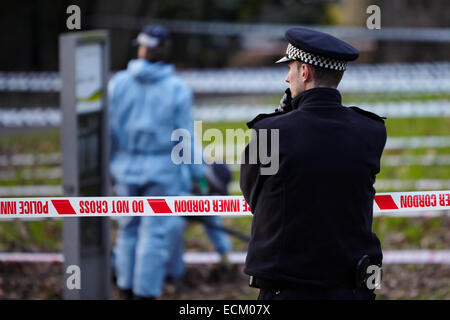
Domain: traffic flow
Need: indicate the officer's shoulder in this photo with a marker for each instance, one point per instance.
(368, 114)
(263, 119)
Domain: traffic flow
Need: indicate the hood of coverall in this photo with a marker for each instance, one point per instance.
(147, 71)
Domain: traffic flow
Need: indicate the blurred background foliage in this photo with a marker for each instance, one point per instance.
(30, 29)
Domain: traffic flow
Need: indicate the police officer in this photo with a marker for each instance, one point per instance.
(312, 233)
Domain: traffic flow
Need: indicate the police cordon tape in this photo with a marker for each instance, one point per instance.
(229, 206)
(193, 257)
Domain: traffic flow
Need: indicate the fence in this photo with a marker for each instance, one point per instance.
(381, 78)
(51, 117)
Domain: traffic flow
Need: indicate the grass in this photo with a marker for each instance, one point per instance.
(415, 172)
(197, 235)
(392, 97)
(418, 127)
(29, 236)
(396, 127)
(24, 182)
(409, 233)
(44, 141)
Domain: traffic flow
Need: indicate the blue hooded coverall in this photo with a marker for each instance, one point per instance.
(148, 101)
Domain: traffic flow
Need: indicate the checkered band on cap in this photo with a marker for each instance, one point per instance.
(295, 53)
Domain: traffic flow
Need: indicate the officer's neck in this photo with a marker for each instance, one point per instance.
(317, 96)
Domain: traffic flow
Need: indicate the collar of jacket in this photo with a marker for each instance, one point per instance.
(317, 97)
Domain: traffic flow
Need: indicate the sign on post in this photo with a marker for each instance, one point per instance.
(84, 68)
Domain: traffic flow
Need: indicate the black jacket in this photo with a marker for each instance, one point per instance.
(313, 219)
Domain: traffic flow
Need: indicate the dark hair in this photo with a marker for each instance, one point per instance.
(161, 52)
(325, 77)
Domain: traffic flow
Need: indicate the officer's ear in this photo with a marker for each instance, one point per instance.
(306, 73)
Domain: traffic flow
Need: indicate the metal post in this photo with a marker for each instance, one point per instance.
(84, 71)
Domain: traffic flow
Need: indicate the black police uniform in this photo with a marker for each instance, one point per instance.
(313, 219)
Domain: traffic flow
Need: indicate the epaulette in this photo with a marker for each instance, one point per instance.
(261, 116)
(368, 114)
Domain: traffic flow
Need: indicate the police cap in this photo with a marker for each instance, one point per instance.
(318, 48)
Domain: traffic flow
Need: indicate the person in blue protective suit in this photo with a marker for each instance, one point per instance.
(147, 102)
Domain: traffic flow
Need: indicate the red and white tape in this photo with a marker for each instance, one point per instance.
(396, 202)
(389, 257)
